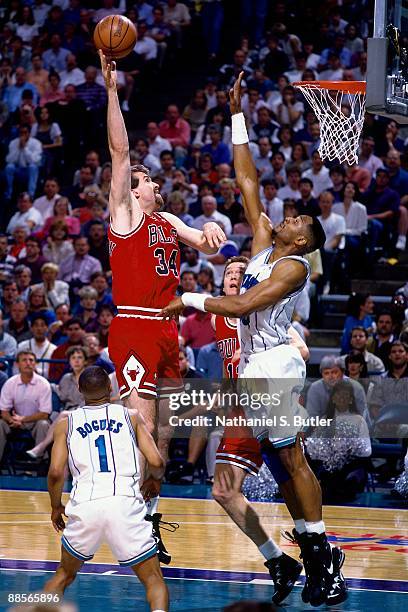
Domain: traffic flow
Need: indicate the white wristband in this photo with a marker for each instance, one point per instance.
(239, 131)
(195, 300)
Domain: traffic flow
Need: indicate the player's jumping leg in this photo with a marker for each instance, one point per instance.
(150, 575)
(227, 492)
(65, 575)
(325, 581)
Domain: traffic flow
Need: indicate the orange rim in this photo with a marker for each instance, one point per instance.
(353, 87)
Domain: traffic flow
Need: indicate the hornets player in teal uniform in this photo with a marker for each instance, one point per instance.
(101, 443)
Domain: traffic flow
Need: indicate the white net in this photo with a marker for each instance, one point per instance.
(341, 118)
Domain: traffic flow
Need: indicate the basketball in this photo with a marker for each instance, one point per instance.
(115, 35)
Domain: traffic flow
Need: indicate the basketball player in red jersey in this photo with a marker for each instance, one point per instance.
(145, 261)
(239, 452)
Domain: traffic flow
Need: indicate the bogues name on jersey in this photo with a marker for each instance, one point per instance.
(100, 425)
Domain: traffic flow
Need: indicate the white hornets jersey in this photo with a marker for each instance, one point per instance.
(102, 453)
(266, 329)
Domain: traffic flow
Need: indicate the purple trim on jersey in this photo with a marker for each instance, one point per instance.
(113, 456)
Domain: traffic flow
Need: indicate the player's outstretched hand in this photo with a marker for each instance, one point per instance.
(56, 518)
(235, 94)
(213, 234)
(172, 310)
(150, 488)
(108, 71)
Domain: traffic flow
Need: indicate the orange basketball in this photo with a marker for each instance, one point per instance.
(115, 35)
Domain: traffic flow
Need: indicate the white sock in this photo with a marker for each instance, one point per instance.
(300, 525)
(158, 610)
(317, 527)
(270, 550)
(152, 505)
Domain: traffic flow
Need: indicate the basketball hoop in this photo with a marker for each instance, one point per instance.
(339, 133)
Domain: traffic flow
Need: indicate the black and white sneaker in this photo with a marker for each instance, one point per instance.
(297, 538)
(318, 560)
(338, 589)
(157, 523)
(284, 571)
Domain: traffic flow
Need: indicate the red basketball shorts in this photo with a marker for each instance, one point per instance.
(145, 353)
(238, 447)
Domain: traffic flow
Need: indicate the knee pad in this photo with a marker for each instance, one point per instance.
(275, 465)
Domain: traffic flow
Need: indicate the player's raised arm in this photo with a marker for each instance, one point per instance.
(123, 206)
(245, 170)
(56, 473)
(208, 240)
(284, 280)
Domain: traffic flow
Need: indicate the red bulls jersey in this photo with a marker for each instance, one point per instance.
(226, 333)
(145, 264)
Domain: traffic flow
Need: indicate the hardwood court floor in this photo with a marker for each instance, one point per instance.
(375, 540)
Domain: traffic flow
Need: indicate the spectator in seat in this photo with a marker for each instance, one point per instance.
(348, 442)
(100, 283)
(56, 331)
(33, 259)
(278, 172)
(319, 175)
(262, 158)
(56, 291)
(17, 248)
(23, 281)
(205, 173)
(39, 344)
(68, 393)
(54, 92)
(210, 213)
(38, 75)
(218, 150)
(177, 16)
(242, 228)
(8, 344)
(175, 129)
(45, 204)
(80, 266)
(276, 61)
(75, 336)
(334, 69)
(13, 94)
(394, 140)
(332, 371)
(197, 330)
(145, 46)
(221, 108)
(102, 324)
(359, 342)
(23, 159)
(49, 134)
(26, 217)
(23, 410)
(58, 247)
(156, 143)
(382, 205)
(205, 281)
(38, 304)
(307, 204)
(355, 216)
(18, 325)
(337, 175)
(358, 175)
(193, 262)
(265, 127)
(290, 111)
(334, 227)
(160, 32)
(299, 157)
(144, 157)
(177, 205)
(9, 295)
(98, 244)
(62, 212)
(166, 171)
(72, 75)
(392, 388)
(86, 309)
(227, 202)
(359, 313)
(55, 57)
(367, 159)
(272, 204)
(7, 262)
(291, 190)
(356, 369)
(380, 343)
(95, 358)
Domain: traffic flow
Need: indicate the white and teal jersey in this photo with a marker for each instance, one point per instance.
(268, 328)
(102, 453)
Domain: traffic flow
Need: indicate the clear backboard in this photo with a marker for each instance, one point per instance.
(387, 61)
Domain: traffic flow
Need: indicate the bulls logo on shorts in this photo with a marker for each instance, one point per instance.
(133, 372)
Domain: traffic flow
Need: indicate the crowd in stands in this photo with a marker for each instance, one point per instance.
(55, 173)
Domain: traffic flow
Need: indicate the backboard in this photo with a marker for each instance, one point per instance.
(387, 61)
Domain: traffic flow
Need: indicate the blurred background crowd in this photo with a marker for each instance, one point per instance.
(55, 176)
